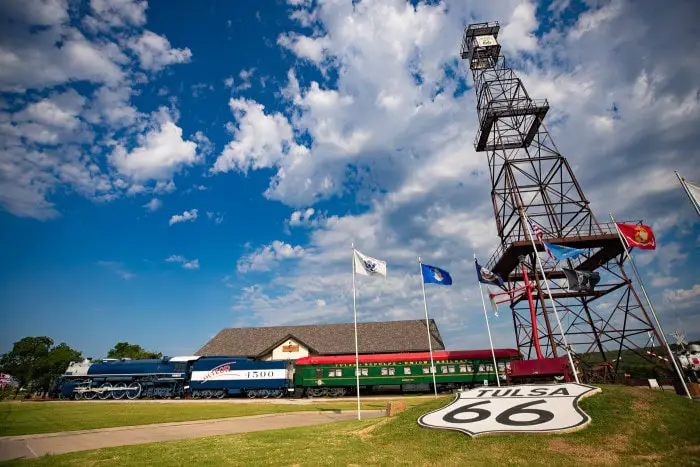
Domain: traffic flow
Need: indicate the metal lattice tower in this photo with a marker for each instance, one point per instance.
(528, 173)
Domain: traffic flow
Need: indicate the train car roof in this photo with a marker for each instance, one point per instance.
(408, 357)
(187, 358)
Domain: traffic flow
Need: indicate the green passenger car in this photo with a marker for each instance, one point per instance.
(335, 375)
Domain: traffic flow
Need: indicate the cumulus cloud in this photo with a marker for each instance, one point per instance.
(186, 264)
(302, 218)
(155, 53)
(190, 215)
(264, 258)
(153, 205)
(57, 136)
(161, 153)
(260, 140)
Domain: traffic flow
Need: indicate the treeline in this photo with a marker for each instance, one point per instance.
(36, 363)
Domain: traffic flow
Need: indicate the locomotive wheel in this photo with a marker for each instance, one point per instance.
(316, 392)
(78, 395)
(89, 395)
(119, 391)
(251, 394)
(220, 394)
(106, 391)
(264, 393)
(278, 393)
(133, 391)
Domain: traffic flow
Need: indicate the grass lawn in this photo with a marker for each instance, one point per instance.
(631, 426)
(48, 417)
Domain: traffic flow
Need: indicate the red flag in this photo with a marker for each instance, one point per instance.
(640, 236)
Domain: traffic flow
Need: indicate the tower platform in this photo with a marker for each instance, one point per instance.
(508, 109)
(506, 260)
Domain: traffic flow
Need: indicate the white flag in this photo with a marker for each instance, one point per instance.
(368, 266)
(694, 191)
(493, 302)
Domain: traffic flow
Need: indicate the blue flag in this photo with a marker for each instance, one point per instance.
(433, 275)
(487, 277)
(561, 252)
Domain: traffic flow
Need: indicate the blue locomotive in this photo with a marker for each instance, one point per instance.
(190, 376)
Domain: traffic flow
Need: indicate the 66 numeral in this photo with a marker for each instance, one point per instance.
(505, 417)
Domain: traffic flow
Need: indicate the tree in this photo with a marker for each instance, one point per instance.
(55, 364)
(35, 363)
(132, 351)
(23, 360)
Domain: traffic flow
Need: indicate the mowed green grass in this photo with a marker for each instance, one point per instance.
(631, 426)
(47, 417)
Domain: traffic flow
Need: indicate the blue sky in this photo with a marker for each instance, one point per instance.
(170, 170)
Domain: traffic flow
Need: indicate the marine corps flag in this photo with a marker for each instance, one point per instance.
(487, 277)
(639, 236)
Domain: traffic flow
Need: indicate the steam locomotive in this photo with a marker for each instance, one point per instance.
(196, 377)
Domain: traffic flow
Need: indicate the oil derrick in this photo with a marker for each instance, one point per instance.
(530, 179)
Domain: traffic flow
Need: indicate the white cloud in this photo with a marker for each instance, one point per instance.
(54, 136)
(260, 140)
(190, 215)
(162, 152)
(228, 82)
(186, 264)
(117, 268)
(217, 217)
(116, 14)
(155, 53)
(518, 33)
(153, 205)
(684, 298)
(264, 258)
(299, 218)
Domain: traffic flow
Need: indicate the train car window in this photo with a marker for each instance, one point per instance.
(470, 368)
(365, 371)
(501, 366)
(385, 371)
(426, 370)
(392, 371)
(451, 368)
(443, 369)
(407, 370)
(319, 372)
(482, 367)
(463, 368)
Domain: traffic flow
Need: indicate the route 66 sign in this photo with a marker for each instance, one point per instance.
(531, 408)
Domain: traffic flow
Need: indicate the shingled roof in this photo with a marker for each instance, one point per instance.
(327, 339)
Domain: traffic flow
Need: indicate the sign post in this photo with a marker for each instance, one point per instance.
(531, 408)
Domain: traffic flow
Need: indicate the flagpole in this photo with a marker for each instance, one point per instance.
(357, 355)
(427, 326)
(651, 307)
(549, 292)
(687, 192)
(488, 329)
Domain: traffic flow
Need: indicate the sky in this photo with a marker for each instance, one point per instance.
(168, 169)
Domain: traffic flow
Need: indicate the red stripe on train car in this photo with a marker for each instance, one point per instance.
(409, 357)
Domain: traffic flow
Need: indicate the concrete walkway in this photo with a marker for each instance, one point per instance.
(30, 446)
